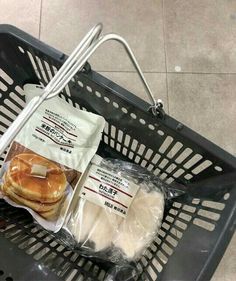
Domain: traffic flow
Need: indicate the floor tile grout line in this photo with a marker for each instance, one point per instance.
(40, 18)
(168, 72)
(164, 42)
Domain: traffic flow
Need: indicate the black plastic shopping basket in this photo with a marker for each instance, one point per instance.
(197, 227)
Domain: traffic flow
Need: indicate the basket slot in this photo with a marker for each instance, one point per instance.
(152, 272)
(194, 160)
(204, 224)
(213, 205)
(42, 70)
(184, 157)
(17, 99)
(5, 78)
(208, 216)
(41, 254)
(3, 85)
(3, 127)
(4, 116)
(45, 70)
(199, 167)
(26, 242)
(34, 64)
(8, 109)
(189, 209)
(165, 147)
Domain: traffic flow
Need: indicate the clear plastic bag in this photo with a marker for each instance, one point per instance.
(117, 211)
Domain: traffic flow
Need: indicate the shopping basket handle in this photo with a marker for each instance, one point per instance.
(156, 106)
(72, 65)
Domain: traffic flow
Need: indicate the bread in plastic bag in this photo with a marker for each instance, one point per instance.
(141, 225)
(118, 228)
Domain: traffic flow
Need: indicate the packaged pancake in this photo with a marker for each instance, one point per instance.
(47, 159)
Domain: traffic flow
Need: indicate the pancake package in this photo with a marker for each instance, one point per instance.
(117, 212)
(47, 159)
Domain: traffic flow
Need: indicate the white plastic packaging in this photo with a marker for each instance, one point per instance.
(117, 211)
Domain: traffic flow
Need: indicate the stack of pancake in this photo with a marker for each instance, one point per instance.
(40, 189)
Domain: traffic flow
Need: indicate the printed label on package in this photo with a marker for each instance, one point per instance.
(108, 190)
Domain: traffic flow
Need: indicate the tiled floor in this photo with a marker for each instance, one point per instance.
(185, 47)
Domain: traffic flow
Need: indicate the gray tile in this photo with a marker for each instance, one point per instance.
(226, 271)
(23, 14)
(65, 22)
(132, 82)
(200, 35)
(206, 103)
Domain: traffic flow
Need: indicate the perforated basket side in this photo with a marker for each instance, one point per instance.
(46, 252)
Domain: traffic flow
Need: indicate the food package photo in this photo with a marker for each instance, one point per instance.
(46, 160)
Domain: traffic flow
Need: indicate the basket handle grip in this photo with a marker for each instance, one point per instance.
(156, 106)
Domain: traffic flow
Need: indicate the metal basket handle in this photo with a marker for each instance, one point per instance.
(72, 65)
